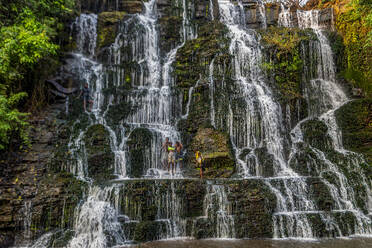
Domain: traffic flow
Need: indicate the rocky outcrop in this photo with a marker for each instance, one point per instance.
(100, 158)
(107, 27)
(216, 151)
(355, 121)
(33, 198)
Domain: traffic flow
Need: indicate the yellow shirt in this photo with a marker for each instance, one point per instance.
(198, 157)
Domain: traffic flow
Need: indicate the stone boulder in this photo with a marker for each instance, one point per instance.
(99, 155)
(215, 148)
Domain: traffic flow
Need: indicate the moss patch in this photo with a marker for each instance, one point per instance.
(107, 26)
(216, 150)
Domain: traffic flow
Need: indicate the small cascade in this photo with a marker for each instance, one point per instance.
(191, 91)
(256, 122)
(262, 10)
(26, 234)
(169, 211)
(285, 17)
(212, 89)
(211, 9)
(219, 210)
(97, 222)
(86, 29)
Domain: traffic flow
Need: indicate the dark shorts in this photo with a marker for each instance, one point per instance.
(179, 156)
(87, 98)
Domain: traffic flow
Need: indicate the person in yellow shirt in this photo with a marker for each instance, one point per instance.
(200, 161)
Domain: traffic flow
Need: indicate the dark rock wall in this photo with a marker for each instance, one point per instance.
(27, 179)
(146, 201)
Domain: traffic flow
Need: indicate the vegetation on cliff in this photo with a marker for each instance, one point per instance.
(284, 62)
(354, 23)
(27, 37)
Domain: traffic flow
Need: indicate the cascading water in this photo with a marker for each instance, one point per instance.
(97, 223)
(260, 126)
(219, 210)
(324, 96)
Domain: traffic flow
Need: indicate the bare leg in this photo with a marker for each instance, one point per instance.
(85, 104)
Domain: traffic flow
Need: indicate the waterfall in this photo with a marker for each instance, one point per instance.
(97, 219)
(212, 89)
(217, 207)
(258, 122)
(97, 223)
(262, 10)
(329, 97)
(211, 9)
(285, 17)
(86, 27)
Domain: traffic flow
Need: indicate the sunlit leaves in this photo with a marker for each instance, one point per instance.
(22, 46)
(11, 120)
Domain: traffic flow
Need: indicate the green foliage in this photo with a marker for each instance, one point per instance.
(21, 46)
(28, 29)
(355, 25)
(12, 122)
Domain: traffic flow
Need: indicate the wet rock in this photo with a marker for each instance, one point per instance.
(107, 27)
(99, 155)
(97, 6)
(31, 189)
(315, 134)
(139, 144)
(216, 151)
(354, 121)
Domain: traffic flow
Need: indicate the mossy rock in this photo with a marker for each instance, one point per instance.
(149, 230)
(315, 134)
(139, 145)
(99, 155)
(355, 121)
(216, 150)
(107, 27)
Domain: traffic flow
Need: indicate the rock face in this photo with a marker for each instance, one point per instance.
(100, 158)
(354, 119)
(250, 205)
(216, 151)
(139, 151)
(34, 198)
(107, 27)
(94, 6)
